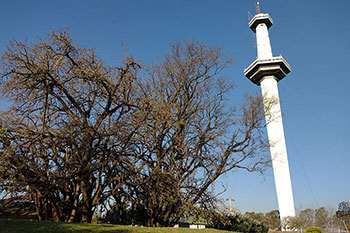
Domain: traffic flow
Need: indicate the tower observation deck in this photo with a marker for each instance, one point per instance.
(265, 64)
(266, 71)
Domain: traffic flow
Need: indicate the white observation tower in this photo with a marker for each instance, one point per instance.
(266, 71)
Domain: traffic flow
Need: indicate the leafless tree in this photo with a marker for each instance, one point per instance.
(188, 136)
(62, 136)
(80, 132)
(322, 217)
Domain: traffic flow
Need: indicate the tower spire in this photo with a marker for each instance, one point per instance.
(257, 6)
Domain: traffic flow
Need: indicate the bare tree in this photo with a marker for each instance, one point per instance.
(188, 135)
(63, 133)
(80, 132)
(322, 217)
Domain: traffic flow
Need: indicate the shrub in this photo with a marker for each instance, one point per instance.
(313, 230)
(238, 223)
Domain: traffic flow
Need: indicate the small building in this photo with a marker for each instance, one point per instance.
(192, 225)
(191, 222)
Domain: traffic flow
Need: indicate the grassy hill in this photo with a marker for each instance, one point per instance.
(18, 226)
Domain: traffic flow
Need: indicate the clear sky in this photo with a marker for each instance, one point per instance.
(312, 35)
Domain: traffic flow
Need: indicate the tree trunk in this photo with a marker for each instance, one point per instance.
(38, 206)
(87, 202)
(75, 204)
(56, 215)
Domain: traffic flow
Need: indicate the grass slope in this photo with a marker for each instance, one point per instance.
(18, 226)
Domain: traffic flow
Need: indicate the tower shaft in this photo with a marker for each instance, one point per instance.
(278, 149)
(266, 71)
(263, 41)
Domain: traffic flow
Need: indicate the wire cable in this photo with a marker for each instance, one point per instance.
(301, 163)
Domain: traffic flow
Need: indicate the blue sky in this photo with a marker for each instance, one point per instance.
(312, 35)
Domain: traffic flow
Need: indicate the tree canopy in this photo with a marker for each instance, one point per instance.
(151, 139)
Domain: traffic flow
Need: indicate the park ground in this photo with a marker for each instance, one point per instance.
(21, 226)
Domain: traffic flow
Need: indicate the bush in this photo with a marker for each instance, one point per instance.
(238, 223)
(313, 230)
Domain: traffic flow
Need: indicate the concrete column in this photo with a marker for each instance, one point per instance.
(263, 41)
(265, 71)
(278, 150)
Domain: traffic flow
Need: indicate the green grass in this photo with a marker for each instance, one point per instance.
(20, 226)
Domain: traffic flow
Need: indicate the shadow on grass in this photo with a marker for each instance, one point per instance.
(20, 226)
(93, 228)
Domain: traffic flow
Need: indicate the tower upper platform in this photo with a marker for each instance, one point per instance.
(260, 18)
(265, 64)
(260, 68)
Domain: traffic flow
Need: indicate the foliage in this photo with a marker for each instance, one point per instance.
(294, 223)
(272, 219)
(238, 223)
(312, 229)
(259, 217)
(321, 217)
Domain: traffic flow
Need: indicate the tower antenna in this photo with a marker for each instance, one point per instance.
(257, 6)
